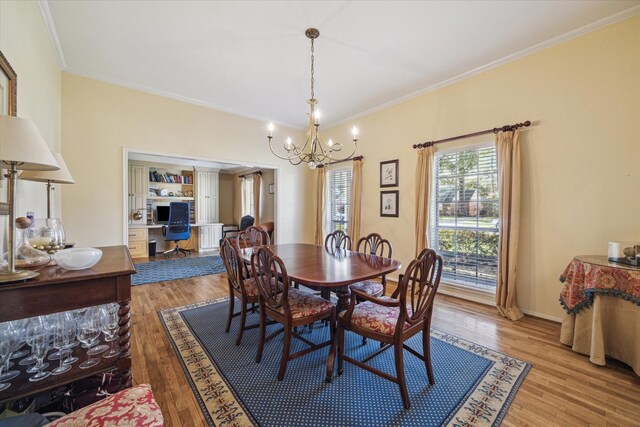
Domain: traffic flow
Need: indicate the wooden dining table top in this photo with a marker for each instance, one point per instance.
(316, 266)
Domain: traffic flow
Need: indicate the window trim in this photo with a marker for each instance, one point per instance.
(457, 283)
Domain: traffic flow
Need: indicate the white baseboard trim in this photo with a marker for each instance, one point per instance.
(542, 316)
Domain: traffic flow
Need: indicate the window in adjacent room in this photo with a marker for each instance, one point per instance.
(338, 199)
(464, 218)
(247, 197)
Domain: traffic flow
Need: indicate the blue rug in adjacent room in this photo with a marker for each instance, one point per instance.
(177, 268)
(474, 385)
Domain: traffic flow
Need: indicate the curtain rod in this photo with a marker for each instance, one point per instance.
(250, 174)
(342, 161)
(504, 128)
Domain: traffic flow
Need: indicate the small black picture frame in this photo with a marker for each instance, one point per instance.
(389, 173)
(390, 203)
(272, 188)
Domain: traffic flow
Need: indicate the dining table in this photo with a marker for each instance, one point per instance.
(328, 268)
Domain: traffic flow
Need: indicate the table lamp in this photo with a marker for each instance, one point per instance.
(60, 176)
(21, 148)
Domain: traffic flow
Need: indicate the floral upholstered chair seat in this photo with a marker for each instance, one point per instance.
(369, 287)
(250, 287)
(305, 304)
(376, 317)
(133, 407)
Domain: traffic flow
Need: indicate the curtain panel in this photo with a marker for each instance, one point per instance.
(355, 208)
(509, 170)
(320, 181)
(423, 196)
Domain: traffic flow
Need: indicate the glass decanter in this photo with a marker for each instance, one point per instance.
(47, 235)
(26, 256)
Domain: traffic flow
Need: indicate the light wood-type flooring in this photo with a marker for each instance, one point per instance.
(562, 389)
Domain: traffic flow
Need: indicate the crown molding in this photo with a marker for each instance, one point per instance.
(53, 33)
(593, 26)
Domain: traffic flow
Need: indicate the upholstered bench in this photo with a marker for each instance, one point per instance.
(131, 407)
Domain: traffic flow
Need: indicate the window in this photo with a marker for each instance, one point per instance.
(464, 219)
(338, 199)
(247, 197)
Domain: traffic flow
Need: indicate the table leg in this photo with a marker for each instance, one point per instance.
(343, 298)
(124, 336)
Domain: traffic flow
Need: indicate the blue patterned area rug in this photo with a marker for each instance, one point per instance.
(474, 385)
(178, 268)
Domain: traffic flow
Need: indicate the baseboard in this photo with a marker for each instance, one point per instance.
(542, 316)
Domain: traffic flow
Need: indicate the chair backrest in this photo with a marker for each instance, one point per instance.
(418, 287)
(268, 227)
(233, 264)
(179, 226)
(252, 237)
(337, 240)
(246, 221)
(269, 270)
(374, 244)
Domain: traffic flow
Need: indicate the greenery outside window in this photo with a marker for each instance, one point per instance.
(338, 199)
(464, 218)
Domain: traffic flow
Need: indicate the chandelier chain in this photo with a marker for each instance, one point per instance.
(312, 70)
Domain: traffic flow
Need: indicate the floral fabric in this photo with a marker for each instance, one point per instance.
(133, 407)
(376, 317)
(581, 280)
(369, 287)
(304, 304)
(251, 287)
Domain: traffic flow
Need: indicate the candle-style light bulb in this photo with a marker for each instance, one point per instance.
(330, 142)
(354, 132)
(316, 116)
(289, 144)
(271, 128)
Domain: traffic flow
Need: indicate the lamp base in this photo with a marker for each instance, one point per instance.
(15, 276)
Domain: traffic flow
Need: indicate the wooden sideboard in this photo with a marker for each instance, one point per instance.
(56, 290)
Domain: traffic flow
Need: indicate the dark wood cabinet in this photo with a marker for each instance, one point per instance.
(56, 290)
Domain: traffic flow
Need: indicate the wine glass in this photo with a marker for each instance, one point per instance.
(31, 360)
(35, 328)
(13, 340)
(110, 330)
(96, 314)
(20, 326)
(54, 321)
(69, 332)
(39, 347)
(58, 342)
(88, 332)
(5, 352)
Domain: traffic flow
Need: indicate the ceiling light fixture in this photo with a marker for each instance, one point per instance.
(315, 151)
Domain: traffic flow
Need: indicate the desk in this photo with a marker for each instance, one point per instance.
(602, 300)
(57, 290)
(204, 237)
(315, 266)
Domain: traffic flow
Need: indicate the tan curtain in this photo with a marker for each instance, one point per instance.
(320, 179)
(508, 153)
(355, 204)
(257, 180)
(423, 196)
(238, 208)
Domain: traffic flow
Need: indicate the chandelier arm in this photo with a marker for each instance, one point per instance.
(289, 158)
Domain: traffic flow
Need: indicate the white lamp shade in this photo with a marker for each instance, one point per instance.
(21, 142)
(61, 176)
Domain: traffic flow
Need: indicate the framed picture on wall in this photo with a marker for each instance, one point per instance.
(389, 203)
(389, 173)
(272, 188)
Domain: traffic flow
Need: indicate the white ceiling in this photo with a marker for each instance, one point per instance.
(252, 58)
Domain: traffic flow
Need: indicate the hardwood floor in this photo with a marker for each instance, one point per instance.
(562, 389)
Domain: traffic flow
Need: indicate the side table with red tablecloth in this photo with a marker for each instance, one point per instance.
(602, 301)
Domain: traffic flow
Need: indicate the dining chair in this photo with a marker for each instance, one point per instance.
(252, 237)
(393, 321)
(289, 307)
(373, 244)
(241, 287)
(337, 240)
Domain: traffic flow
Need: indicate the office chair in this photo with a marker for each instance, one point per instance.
(179, 227)
(232, 230)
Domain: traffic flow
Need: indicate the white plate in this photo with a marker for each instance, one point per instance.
(77, 258)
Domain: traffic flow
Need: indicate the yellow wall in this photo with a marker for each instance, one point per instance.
(25, 42)
(581, 158)
(99, 119)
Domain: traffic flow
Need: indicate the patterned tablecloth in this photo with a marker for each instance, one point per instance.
(588, 275)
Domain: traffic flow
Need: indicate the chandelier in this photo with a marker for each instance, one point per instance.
(315, 151)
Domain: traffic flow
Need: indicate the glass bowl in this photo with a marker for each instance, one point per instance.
(77, 258)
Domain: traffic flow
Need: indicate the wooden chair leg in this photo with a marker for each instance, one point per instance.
(243, 320)
(364, 340)
(286, 347)
(231, 307)
(332, 349)
(263, 332)
(400, 374)
(426, 350)
(340, 339)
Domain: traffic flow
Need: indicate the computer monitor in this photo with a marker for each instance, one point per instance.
(162, 214)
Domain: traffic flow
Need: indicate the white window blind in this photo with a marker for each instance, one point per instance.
(338, 199)
(247, 197)
(464, 218)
